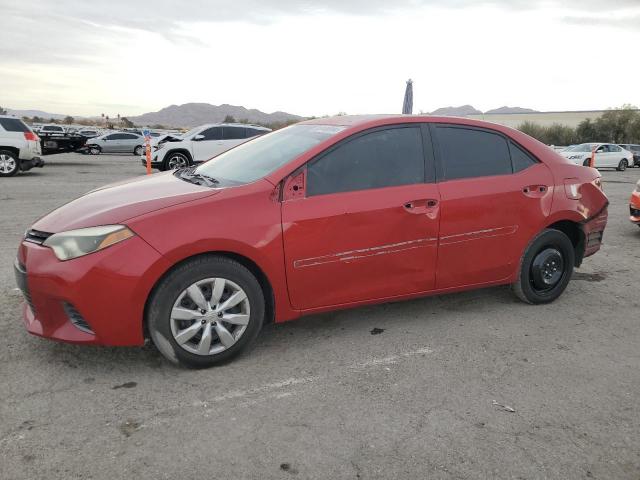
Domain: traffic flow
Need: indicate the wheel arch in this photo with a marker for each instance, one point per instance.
(165, 160)
(573, 230)
(15, 150)
(248, 263)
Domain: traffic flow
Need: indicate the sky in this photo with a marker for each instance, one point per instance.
(318, 57)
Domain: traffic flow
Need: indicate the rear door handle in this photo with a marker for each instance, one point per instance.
(420, 206)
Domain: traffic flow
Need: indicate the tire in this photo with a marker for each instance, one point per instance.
(94, 150)
(173, 312)
(539, 280)
(586, 162)
(622, 166)
(175, 160)
(9, 163)
(138, 150)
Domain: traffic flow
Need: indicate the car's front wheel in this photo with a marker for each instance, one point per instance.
(206, 311)
(622, 166)
(176, 160)
(138, 150)
(95, 150)
(9, 163)
(545, 268)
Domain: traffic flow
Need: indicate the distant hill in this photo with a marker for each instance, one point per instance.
(194, 114)
(510, 110)
(462, 111)
(37, 113)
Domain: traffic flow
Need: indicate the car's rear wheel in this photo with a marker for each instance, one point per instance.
(95, 150)
(138, 150)
(587, 162)
(545, 268)
(9, 163)
(206, 311)
(176, 160)
(622, 166)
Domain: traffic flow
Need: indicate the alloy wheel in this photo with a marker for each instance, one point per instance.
(210, 316)
(178, 160)
(7, 163)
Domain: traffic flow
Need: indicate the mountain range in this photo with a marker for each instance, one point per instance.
(466, 110)
(193, 114)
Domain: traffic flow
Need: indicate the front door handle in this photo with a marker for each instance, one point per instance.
(420, 206)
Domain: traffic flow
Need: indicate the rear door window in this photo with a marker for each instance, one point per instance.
(13, 125)
(233, 133)
(520, 158)
(468, 153)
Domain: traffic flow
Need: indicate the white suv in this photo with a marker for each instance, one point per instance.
(19, 147)
(200, 144)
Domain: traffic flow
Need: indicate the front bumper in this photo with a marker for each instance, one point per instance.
(634, 208)
(154, 162)
(96, 299)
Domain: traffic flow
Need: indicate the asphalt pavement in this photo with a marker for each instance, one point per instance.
(474, 385)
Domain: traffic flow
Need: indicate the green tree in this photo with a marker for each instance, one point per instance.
(68, 120)
(3, 111)
(127, 123)
(36, 119)
(229, 119)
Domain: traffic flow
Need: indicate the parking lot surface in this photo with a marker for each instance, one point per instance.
(472, 385)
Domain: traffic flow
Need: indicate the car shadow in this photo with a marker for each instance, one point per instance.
(280, 340)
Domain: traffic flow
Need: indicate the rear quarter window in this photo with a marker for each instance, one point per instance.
(13, 125)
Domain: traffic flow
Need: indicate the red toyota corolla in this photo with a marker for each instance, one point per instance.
(326, 214)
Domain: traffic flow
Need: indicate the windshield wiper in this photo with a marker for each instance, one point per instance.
(190, 175)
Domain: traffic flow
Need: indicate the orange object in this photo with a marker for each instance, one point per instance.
(634, 206)
(592, 160)
(147, 141)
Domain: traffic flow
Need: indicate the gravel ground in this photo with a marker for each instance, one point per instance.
(429, 396)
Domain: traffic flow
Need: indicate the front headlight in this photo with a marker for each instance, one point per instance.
(76, 243)
(160, 146)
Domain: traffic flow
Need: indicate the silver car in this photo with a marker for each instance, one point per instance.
(118, 142)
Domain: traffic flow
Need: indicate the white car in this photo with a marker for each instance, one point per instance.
(51, 130)
(608, 155)
(19, 147)
(200, 144)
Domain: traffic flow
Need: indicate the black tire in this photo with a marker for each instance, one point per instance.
(586, 162)
(622, 166)
(171, 287)
(94, 149)
(545, 268)
(138, 150)
(9, 163)
(175, 160)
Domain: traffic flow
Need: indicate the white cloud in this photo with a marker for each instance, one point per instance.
(313, 58)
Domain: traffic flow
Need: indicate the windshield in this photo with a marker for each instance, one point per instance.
(263, 155)
(584, 147)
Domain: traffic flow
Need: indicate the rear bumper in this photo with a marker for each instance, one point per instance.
(32, 163)
(634, 208)
(593, 229)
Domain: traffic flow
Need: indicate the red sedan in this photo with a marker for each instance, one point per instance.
(325, 214)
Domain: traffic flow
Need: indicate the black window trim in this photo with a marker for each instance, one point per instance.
(438, 154)
(427, 153)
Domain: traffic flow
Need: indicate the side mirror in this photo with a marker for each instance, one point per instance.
(199, 137)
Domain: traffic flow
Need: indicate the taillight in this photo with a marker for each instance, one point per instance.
(31, 136)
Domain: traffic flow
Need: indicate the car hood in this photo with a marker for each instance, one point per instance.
(118, 202)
